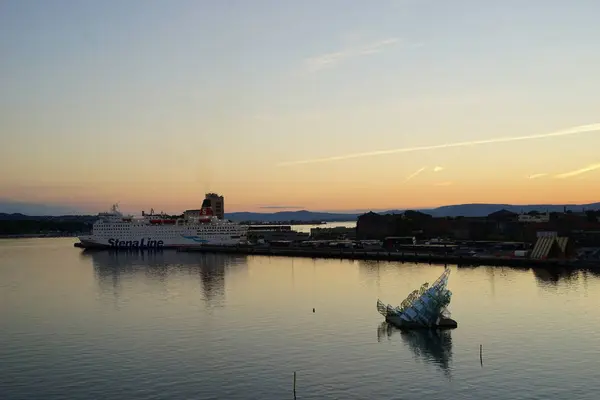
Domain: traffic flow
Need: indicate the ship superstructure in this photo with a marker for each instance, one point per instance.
(113, 229)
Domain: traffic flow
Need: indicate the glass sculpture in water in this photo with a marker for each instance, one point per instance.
(423, 307)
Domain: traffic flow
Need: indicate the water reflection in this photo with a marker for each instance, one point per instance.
(431, 345)
(553, 276)
(370, 271)
(111, 267)
(593, 272)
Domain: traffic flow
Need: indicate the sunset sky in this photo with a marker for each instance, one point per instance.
(153, 103)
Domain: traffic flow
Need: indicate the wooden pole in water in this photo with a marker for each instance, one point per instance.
(294, 384)
(481, 354)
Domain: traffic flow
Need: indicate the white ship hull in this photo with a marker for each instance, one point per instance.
(113, 230)
(159, 240)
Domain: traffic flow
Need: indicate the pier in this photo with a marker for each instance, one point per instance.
(383, 255)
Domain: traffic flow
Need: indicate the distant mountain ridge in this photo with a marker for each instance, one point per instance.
(21, 210)
(302, 215)
(464, 210)
(36, 209)
(483, 209)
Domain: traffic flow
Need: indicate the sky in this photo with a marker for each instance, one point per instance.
(319, 105)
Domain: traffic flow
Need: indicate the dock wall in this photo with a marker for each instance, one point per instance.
(357, 254)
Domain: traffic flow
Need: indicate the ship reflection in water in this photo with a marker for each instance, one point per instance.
(112, 267)
(431, 345)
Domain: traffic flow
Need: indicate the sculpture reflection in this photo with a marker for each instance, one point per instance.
(431, 345)
(112, 267)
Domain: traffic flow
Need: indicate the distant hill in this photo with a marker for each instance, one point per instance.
(38, 209)
(465, 210)
(302, 215)
(10, 210)
(481, 210)
(56, 218)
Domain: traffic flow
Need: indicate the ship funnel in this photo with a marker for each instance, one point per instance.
(206, 209)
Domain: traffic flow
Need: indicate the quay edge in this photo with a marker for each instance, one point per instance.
(354, 254)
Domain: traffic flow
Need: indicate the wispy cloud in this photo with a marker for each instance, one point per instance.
(578, 172)
(414, 174)
(571, 131)
(443, 183)
(536, 176)
(438, 169)
(281, 207)
(328, 60)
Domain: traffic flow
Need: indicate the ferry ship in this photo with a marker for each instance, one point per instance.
(115, 230)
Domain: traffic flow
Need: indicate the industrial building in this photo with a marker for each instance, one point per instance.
(217, 202)
(275, 233)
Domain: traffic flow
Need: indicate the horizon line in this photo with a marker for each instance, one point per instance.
(348, 212)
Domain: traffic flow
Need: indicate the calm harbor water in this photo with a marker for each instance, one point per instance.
(167, 325)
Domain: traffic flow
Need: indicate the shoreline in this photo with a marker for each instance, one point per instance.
(37, 236)
(354, 254)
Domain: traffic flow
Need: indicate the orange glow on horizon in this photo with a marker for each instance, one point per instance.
(319, 197)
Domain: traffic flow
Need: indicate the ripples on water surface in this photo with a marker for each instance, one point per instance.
(172, 325)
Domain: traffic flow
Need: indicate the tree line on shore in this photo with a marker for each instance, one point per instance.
(18, 224)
